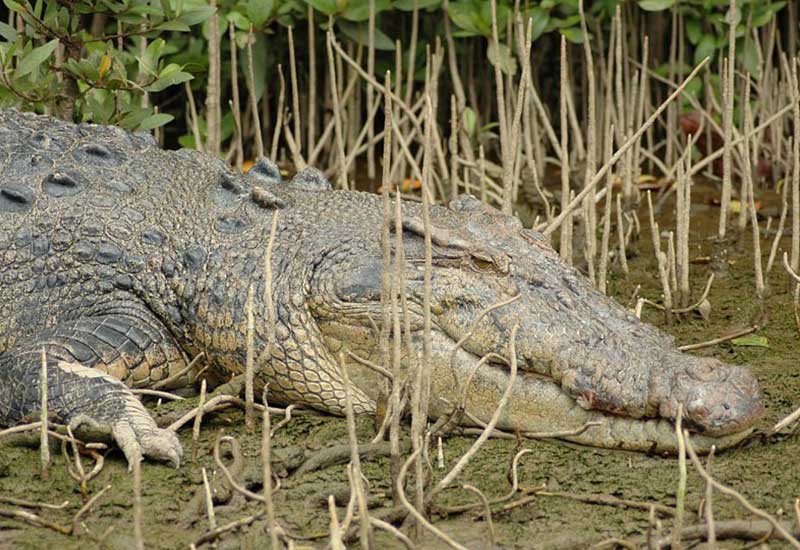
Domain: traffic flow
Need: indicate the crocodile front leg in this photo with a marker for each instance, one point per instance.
(86, 357)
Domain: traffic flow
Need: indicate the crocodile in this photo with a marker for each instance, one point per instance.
(120, 261)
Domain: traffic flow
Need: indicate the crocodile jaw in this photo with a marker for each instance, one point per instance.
(539, 404)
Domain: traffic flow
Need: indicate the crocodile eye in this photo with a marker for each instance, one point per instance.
(482, 264)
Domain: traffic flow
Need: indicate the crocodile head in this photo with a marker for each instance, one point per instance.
(581, 356)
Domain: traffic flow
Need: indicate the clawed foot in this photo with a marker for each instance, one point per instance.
(138, 436)
(150, 441)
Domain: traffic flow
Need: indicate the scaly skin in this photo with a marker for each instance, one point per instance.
(121, 260)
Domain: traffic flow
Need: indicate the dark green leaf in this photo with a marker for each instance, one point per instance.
(328, 7)
(154, 121)
(196, 15)
(705, 48)
(169, 76)
(574, 35)
(408, 5)
(358, 10)
(503, 57)
(655, 5)
(35, 57)
(259, 11)
(8, 32)
(359, 33)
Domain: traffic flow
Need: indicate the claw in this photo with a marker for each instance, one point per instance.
(138, 436)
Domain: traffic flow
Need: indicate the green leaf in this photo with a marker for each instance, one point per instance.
(469, 121)
(503, 57)
(655, 5)
(694, 30)
(541, 19)
(196, 15)
(359, 33)
(574, 35)
(169, 76)
(751, 340)
(13, 6)
(705, 48)
(35, 57)
(8, 32)
(328, 7)
(259, 11)
(173, 26)
(154, 121)
(358, 10)
(408, 5)
(466, 18)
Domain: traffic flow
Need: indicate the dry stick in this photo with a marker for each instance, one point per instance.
(565, 243)
(623, 254)
(159, 394)
(558, 220)
(213, 88)
(236, 107)
(413, 511)
(721, 339)
(510, 157)
(499, 500)
(370, 91)
(28, 504)
(795, 86)
(322, 142)
(297, 156)
(781, 224)
(591, 152)
(342, 175)
(249, 415)
(198, 420)
(708, 507)
(279, 122)
(392, 530)
(680, 504)
(251, 88)
(727, 119)
(487, 512)
(266, 470)
(366, 535)
(177, 375)
(138, 527)
(211, 536)
(735, 494)
(751, 204)
(88, 506)
(602, 280)
(34, 520)
(44, 446)
(312, 80)
(422, 378)
(214, 404)
(688, 309)
(462, 462)
(375, 84)
(209, 501)
(236, 450)
(198, 141)
(80, 473)
(336, 530)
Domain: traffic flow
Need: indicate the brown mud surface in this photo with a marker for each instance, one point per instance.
(767, 472)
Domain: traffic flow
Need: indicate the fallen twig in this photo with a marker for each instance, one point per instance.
(721, 339)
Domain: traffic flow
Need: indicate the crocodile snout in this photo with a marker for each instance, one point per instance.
(717, 398)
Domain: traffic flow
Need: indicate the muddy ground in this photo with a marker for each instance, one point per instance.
(766, 472)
